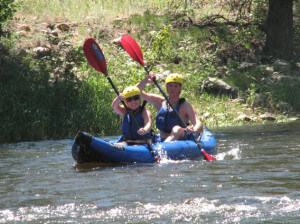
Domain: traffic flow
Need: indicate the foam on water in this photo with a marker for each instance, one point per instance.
(233, 154)
(194, 210)
(164, 158)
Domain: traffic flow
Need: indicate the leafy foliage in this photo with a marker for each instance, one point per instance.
(7, 10)
(42, 97)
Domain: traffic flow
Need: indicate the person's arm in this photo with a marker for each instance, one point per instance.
(190, 112)
(154, 99)
(119, 109)
(141, 85)
(147, 116)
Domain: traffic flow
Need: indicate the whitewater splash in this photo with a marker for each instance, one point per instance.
(233, 154)
(196, 210)
(164, 158)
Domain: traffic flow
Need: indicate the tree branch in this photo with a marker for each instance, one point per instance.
(213, 20)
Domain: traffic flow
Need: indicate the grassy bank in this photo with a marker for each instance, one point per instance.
(55, 93)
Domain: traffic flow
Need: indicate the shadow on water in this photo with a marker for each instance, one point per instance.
(88, 167)
(258, 128)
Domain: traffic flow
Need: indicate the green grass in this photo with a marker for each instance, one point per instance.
(101, 11)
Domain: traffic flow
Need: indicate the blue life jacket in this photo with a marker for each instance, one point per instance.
(166, 118)
(129, 129)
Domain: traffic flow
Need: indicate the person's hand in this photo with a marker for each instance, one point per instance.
(141, 131)
(121, 97)
(190, 129)
(150, 77)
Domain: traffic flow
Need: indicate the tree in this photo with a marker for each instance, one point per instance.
(279, 33)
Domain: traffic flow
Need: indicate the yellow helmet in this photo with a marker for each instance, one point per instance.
(131, 91)
(174, 78)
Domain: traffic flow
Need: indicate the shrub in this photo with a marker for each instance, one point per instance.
(7, 9)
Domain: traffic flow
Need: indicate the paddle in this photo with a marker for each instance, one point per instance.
(133, 49)
(95, 57)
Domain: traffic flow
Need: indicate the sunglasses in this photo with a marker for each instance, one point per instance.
(129, 99)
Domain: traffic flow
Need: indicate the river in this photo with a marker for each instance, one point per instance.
(256, 179)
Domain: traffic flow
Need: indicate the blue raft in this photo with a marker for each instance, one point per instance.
(87, 148)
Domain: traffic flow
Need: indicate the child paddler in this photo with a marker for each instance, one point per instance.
(131, 135)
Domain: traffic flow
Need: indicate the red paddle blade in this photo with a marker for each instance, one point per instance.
(207, 156)
(94, 55)
(132, 48)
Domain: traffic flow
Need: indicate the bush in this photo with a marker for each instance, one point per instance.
(7, 9)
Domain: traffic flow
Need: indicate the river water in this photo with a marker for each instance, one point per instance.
(255, 180)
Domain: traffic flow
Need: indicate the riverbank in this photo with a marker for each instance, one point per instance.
(50, 91)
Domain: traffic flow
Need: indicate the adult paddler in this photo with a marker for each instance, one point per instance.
(168, 123)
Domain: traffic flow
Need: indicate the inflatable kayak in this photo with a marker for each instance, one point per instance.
(87, 148)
